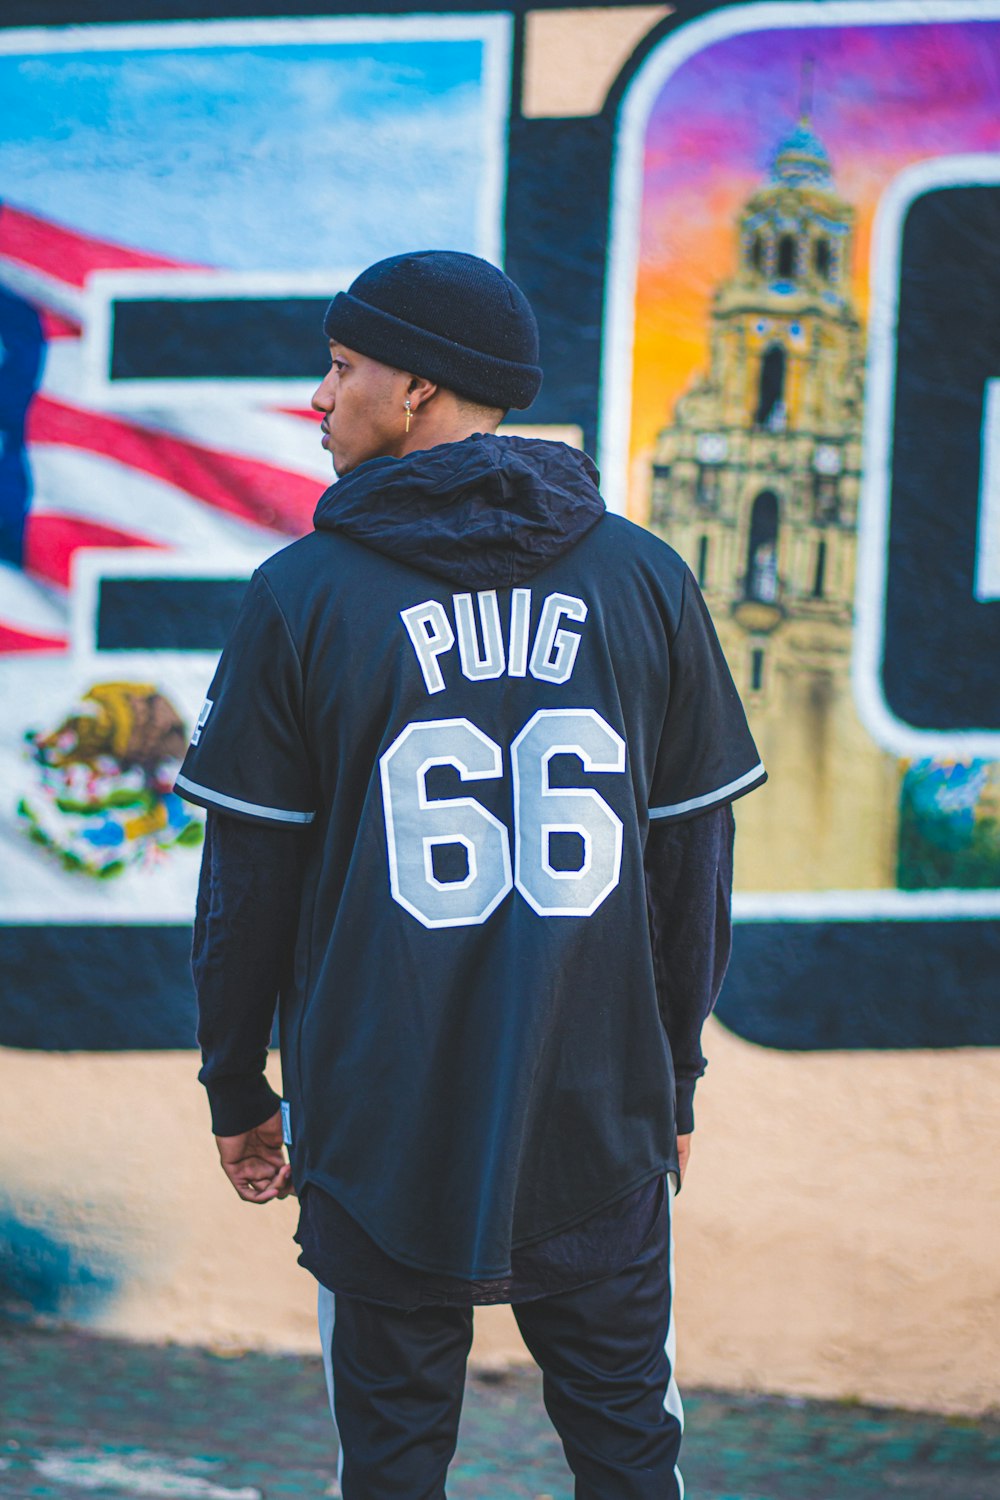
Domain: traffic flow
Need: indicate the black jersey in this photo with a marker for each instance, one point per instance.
(476, 689)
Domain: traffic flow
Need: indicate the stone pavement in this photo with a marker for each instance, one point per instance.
(85, 1418)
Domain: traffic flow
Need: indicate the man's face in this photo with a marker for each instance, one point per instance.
(363, 406)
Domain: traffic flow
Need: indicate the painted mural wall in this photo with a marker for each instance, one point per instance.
(760, 240)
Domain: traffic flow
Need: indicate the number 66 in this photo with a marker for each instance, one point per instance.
(415, 824)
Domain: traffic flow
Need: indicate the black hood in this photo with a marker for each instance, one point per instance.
(483, 513)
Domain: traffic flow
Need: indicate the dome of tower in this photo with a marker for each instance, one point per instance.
(802, 158)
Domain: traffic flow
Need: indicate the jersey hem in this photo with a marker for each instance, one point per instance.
(728, 793)
(669, 1165)
(491, 1273)
(206, 796)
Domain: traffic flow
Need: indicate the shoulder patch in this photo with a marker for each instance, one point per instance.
(206, 709)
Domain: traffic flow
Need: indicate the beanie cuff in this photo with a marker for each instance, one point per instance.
(468, 372)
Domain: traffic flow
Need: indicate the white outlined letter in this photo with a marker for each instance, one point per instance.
(430, 631)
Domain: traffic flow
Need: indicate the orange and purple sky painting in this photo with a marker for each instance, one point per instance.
(884, 97)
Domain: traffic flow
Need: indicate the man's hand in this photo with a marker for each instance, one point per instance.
(255, 1162)
(683, 1152)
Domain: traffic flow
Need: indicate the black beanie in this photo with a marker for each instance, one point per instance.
(451, 318)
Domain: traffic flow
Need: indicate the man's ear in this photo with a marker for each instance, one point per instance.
(420, 391)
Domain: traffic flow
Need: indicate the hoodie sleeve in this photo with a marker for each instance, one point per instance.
(689, 877)
(247, 755)
(706, 755)
(244, 935)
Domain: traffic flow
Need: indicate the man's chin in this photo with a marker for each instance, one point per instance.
(343, 465)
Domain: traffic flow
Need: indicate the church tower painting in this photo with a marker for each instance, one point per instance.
(756, 483)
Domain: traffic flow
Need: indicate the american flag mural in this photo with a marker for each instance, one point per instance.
(74, 477)
(90, 770)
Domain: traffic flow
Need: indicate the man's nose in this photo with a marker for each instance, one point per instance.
(322, 399)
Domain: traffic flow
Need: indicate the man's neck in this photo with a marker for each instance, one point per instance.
(434, 424)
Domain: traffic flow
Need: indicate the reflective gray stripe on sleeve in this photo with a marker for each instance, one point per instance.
(710, 797)
(281, 814)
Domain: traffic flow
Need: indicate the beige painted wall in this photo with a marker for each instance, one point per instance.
(837, 1235)
(573, 56)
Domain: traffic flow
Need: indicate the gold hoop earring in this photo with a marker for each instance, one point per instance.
(408, 413)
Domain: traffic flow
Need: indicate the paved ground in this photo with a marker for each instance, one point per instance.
(99, 1419)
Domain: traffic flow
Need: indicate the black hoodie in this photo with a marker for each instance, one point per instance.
(476, 689)
(484, 514)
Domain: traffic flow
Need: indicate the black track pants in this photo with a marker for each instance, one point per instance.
(606, 1352)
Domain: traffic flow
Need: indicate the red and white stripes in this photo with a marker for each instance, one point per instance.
(190, 478)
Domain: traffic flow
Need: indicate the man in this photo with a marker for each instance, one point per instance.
(468, 759)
